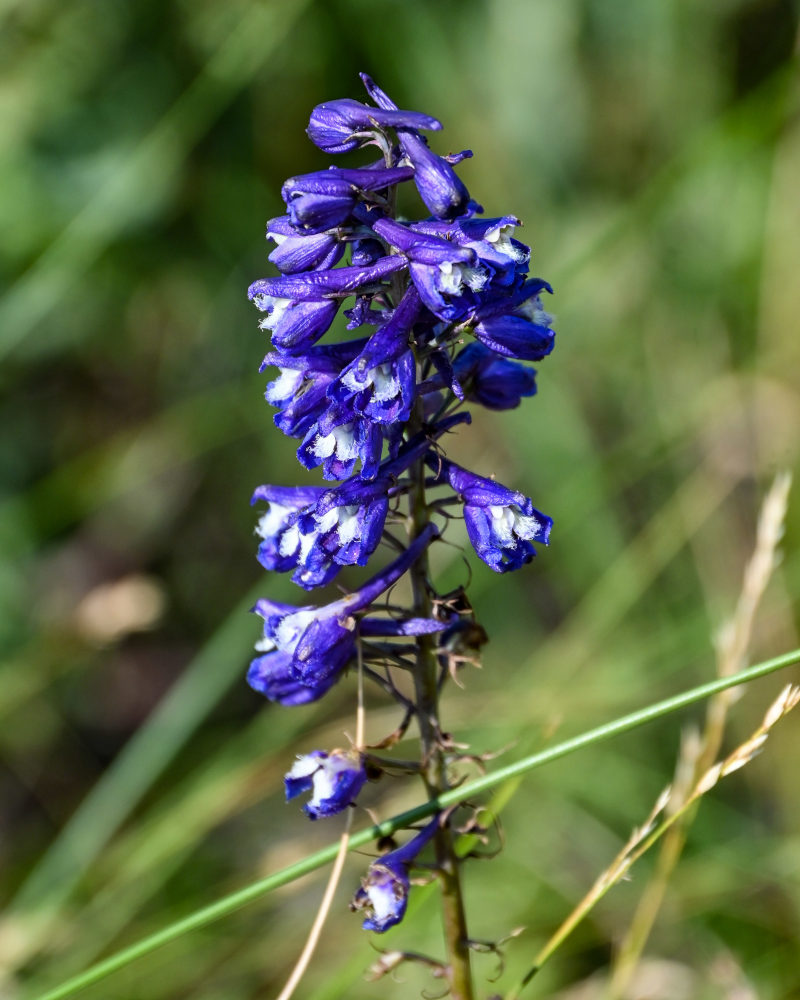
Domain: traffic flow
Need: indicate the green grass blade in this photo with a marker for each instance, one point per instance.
(142, 760)
(234, 901)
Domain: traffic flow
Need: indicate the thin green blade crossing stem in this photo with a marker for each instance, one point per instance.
(235, 901)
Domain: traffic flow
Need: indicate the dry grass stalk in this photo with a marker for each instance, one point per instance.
(699, 751)
(644, 837)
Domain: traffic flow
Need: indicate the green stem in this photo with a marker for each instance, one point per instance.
(434, 766)
(236, 900)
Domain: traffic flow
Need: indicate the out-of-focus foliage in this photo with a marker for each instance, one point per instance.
(653, 150)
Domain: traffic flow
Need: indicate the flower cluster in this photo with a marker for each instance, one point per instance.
(444, 314)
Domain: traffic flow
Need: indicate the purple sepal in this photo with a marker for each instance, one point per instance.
(493, 381)
(334, 778)
(294, 253)
(438, 185)
(366, 251)
(314, 286)
(384, 890)
(271, 676)
(324, 199)
(296, 325)
(502, 524)
(291, 497)
(516, 337)
(411, 626)
(423, 248)
(446, 375)
(343, 125)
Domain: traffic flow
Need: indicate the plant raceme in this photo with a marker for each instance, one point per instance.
(444, 316)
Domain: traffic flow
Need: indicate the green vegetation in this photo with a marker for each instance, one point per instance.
(652, 150)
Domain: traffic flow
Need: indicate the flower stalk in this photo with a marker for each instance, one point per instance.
(371, 413)
(434, 766)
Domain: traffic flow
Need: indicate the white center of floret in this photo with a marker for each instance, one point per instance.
(274, 308)
(501, 240)
(383, 900)
(349, 526)
(382, 379)
(288, 632)
(453, 276)
(284, 387)
(303, 766)
(325, 779)
(341, 442)
(277, 238)
(344, 519)
(273, 520)
(510, 521)
(292, 539)
(532, 309)
(385, 384)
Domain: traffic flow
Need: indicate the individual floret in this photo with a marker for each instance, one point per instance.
(334, 780)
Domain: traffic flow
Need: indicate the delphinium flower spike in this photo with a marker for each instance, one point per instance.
(444, 316)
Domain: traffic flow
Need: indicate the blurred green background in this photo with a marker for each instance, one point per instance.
(653, 150)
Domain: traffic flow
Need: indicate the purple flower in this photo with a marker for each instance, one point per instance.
(282, 546)
(334, 779)
(315, 532)
(379, 383)
(314, 286)
(339, 440)
(339, 126)
(320, 642)
(450, 289)
(271, 675)
(490, 240)
(296, 324)
(516, 327)
(384, 891)
(492, 381)
(325, 198)
(347, 522)
(300, 390)
(437, 182)
(294, 253)
(415, 243)
(502, 524)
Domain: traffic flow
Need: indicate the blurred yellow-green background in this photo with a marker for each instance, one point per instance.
(653, 150)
